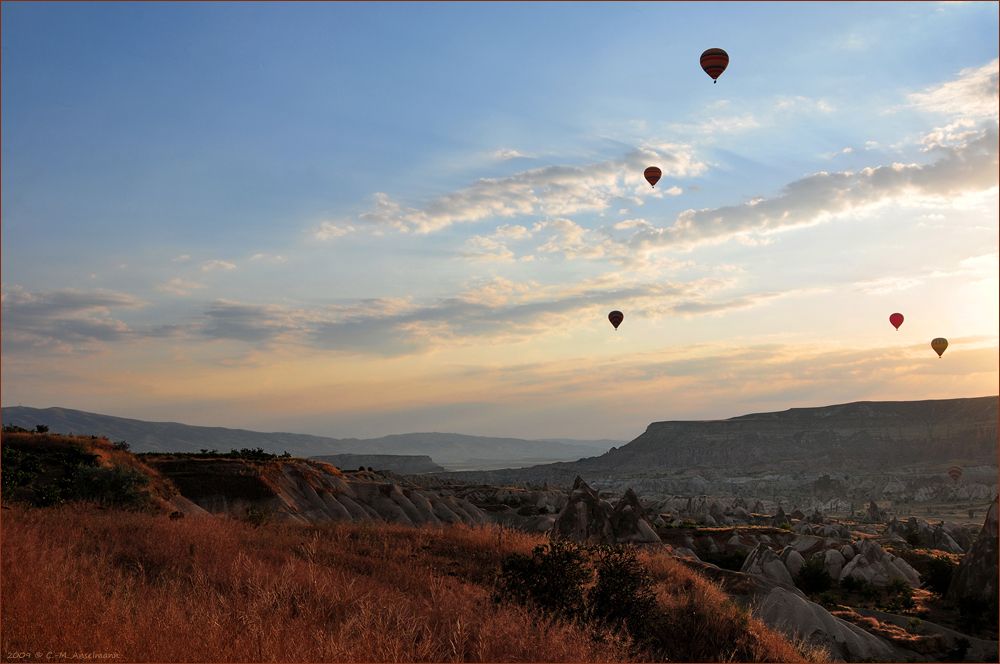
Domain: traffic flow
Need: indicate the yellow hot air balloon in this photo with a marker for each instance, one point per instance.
(939, 345)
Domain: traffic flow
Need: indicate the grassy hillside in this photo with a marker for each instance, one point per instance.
(77, 579)
(84, 578)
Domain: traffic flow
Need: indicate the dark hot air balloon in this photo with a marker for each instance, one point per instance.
(714, 61)
(955, 473)
(939, 345)
(616, 318)
(896, 320)
(652, 175)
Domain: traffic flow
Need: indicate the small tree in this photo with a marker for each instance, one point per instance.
(813, 577)
(552, 578)
(937, 578)
(41, 428)
(623, 595)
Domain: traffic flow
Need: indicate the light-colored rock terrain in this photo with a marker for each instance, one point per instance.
(307, 491)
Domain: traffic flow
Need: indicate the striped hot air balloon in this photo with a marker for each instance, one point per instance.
(896, 320)
(955, 473)
(714, 61)
(616, 318)
(652, 175)
(939, 345)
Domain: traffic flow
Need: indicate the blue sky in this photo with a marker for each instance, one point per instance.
(366, 219)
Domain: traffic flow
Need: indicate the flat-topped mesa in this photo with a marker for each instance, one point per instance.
(864, 435)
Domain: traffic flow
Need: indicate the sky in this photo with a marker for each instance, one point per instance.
(356, 220)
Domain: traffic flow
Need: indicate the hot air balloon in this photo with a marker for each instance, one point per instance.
(714, 61)
(955, 473)
(896, 320)
(939, 345)
(652, 175)
(616, 318)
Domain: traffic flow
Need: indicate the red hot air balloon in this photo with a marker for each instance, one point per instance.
(714, 61)
(939, 345)
(896, 320)
(652, 175)
(955, 473)
(616, 318)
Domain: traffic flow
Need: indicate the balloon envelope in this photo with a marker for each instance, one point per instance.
(714, 61)
(616, 318)
(896, 320)
(939, 345)
(955, 472)
(652, 175)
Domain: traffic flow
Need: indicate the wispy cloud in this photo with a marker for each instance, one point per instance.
(967, 168)
(328, 231)
(551, 191)
(179, 287)
(208, 266)
(64, 320)
(505, 154)
(975, 93)
(884, 285)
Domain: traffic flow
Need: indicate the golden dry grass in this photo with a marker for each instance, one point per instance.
(79, 579)
(82, 580)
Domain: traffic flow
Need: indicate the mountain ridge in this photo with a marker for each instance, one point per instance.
(145, 436)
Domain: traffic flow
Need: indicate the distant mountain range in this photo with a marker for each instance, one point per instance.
(860, 437)
(449, 449)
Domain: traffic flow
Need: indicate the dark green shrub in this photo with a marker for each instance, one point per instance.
(961, 649)
(30, 463)
(41, 428)
(122, 445)
(915, 538)
(257, 515)
(13, 428)
(973, 614)
(854, 584)
(9, 456)
(827, 599)
(118, 485)
(688, 523)
(937, 578)
(48, 496)
(623, 595)
(813, 577)
(785, 525)
(552, 578)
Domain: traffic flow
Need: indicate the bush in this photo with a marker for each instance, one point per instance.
(785, 525)
(623, 596)
(913, 625)
(937, 578)
(813, 577)
(915, 538)
(257, 515)
(122, 446)
(552, 578)
(118, 485)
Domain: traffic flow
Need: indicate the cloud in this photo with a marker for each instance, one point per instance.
(884, 285)
(968, 168)
(493, 247)
(183, 258)
(505, 154)
(327, 231)
(250, 323)
(975, 93)
(551, 191)
(216, 265)
(64, 320)
(179, 287)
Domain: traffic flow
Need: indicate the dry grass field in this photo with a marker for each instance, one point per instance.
(86, 583)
